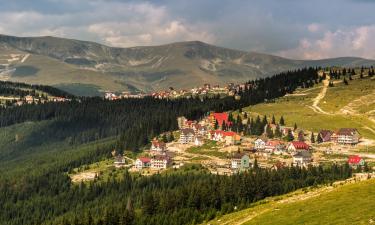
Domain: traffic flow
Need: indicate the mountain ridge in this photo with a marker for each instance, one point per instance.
(60, 61)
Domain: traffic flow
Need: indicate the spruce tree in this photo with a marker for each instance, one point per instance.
(312, 139)
(282, 122)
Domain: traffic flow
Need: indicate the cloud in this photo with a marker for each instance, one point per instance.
(356, 41)
(113, 23)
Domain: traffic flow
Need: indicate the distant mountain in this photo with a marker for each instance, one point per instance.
(86, 67)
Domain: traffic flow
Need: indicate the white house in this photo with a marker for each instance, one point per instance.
(142, 162)
(260, 143)
(240, 161)
(348, 136)
(295, 146)
(187, 136)
(160, 162)
(302, 158)
(158, 146)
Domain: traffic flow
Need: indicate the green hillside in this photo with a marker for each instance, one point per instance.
(342, 106)
(343, 204)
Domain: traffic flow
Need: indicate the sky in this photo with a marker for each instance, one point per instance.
(298, 29)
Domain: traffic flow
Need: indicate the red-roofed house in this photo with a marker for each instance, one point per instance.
(142, 162)
(355, 160)
(158, 146)
(275, 147)
(297, 146)
(231, 138)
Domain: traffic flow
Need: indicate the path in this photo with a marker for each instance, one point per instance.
(320, 96)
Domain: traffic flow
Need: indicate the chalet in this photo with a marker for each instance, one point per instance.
(260, 143)
(272, 126)
(231, 138)
(142, 162)
(198, 141)
(302, 158)
(158, 146)
(240, 161)
(187, 136)
(325, 135)
(274, 147)
(285, 130)
(119, 161)
(348, 136)
(200, 130)
(160, 162)
(296, 146)
(355, 161)
(217, 135)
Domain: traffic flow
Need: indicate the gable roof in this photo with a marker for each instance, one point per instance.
(187, 131)
(347, 131)
(274, 143)
(158, 143)
(354, 159)
(303, 154)
(144, 159)
(325, 133)
(238, 155)
(299, 145)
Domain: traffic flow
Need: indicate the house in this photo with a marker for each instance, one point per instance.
(325, 135)
(274, 147)
(187, 136)
(285, 130)
(119, 161)
(29, 99)
(198, 141)
(240, 161)
(272, 126)
(295, 146)
(302, 158)
(355, 161)
(158, 146)
(159, 162)
(348, 136)
(217, 135)
(231, 138)
(260, 143)
(142, 162)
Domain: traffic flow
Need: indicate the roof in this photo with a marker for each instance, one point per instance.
(300, 145)
(187, 131)
(158, 143)
(274, 143)
(354, 159)
(324, 133)
(304, 154)
(238, 155)
(347, 131)
(144, 159)
(221, 117)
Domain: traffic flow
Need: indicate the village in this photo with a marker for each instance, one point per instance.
(213, 143)
(206, 90)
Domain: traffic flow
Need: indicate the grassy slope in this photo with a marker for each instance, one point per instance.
(347, 204)
(296, 108)
(28, 146)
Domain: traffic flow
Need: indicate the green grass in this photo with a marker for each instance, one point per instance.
(295, 109)
(209, 148)
(347, 204)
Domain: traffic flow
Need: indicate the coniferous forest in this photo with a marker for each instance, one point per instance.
(47, 196)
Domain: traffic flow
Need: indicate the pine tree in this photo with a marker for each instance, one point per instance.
(278, 131)
(273, 119)
(312, 139)
(319, 138)
(269, 131)
(282, 122)
(295, 126)
(290, 136)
